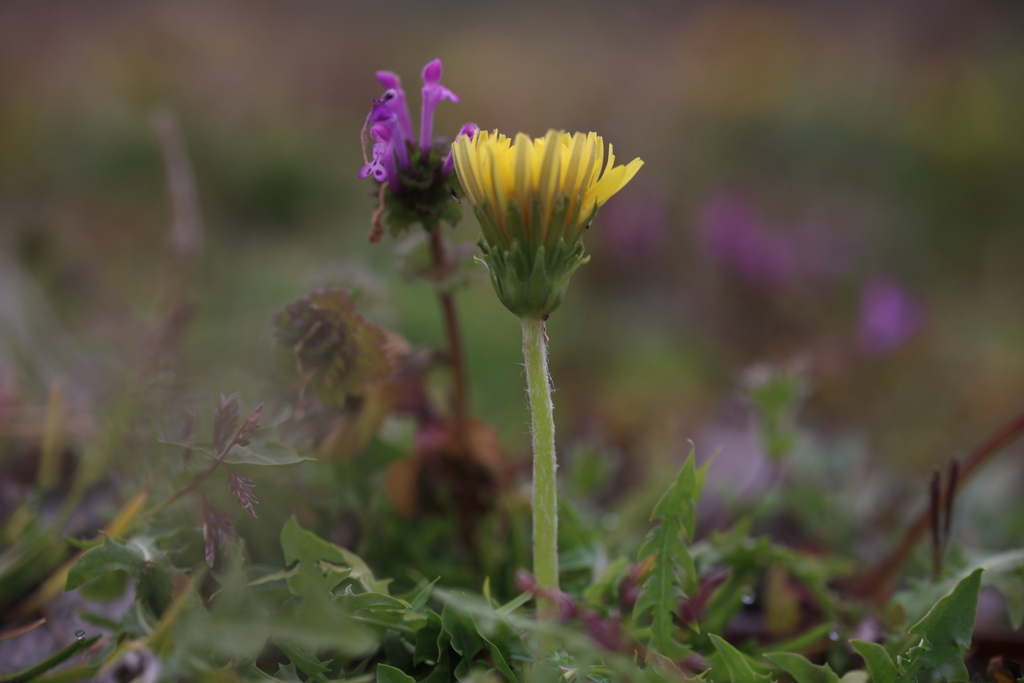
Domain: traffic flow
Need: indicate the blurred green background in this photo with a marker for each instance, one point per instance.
(835, 184)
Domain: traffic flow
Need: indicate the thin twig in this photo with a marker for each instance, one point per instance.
(187, 228)
(878, 583)
(934, 503)
(951, 484)
(14, 633)
(200, 478)
(376, 227)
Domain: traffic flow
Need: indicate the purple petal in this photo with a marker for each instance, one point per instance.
(432, 72)
(433, 92)
(389, 80)
(382, 134)
(470, 129)
(380, 114)
(382, 166)
(398, 103)
(443, 93)
(889, 317)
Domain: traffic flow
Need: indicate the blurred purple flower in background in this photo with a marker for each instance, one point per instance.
(635, 227)
(736, 236)
(889, 317)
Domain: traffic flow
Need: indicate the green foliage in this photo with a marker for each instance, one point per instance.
(263, 450)
(672, 573)
(801, 669)
(306, 547)
(777, 394)
(1004, 571)
(139, 557)
(945, 632)
(222, 597)
(736, 664)
(878, 661)
(389, 674)
(426, 196)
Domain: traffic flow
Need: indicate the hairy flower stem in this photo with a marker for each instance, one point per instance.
(455, 352)
(545, 497)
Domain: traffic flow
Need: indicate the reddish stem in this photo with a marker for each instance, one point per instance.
(456, 356)
(878, 584)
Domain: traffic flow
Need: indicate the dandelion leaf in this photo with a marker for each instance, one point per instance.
(672, 572)
(736, 664)
(946, 631)
(801, 669)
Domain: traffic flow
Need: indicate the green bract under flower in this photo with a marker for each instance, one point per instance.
(534, 199)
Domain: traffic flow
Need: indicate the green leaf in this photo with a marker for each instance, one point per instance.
(736, 663)
(302, 545)
(389, 674)
(139, 557)
(111, 556)
(314, 628)
(499, 661)
(672, 572)
(287, 673)
(105, 588)
(608, 582)
(374, 608)
(420, 600)
(98, 620)
(372, 601)
(34, 671)
(946, 630)
(264, 451)
(1011, 585)
(877, 661)
(428, 640)
(83, 543)
(442, 672)
(515, 603)
(465, 639)
(304, 662)
(472, 633)
(396, 651)
(802, 670)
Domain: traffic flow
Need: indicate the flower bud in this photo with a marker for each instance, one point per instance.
(534, 199)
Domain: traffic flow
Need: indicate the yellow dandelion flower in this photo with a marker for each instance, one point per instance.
(534, 198)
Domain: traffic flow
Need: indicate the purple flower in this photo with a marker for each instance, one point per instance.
(391, 112)
(433, 93)
(382, 165)
(635, 228)
(381, 113)
(469, 129)
(397, 104)
(809, 252)
(735, 236)
(889, 317)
